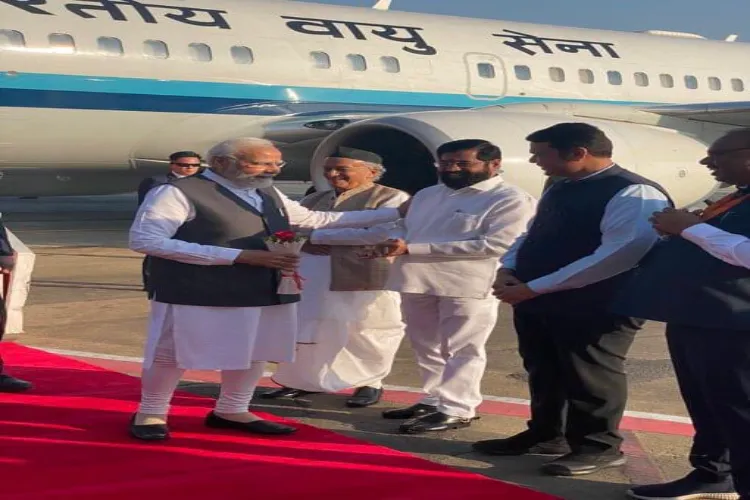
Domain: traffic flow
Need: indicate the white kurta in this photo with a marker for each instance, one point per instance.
(347, 339)
(223, 338)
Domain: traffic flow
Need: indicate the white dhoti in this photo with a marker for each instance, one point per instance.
(223, 338)
(347, 339)
(236, 340)
(448, 336)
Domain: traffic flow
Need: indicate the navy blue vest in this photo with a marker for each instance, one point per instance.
(222, 219)
(566, 228)
(680, 283)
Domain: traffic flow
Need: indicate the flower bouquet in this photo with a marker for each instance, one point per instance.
(287, 242)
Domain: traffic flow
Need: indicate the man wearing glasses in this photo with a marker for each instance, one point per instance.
(214, 300)
(181, 164)
(697, 281)
(455, 233)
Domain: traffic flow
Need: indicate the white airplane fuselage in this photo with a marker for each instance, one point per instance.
(94, 94)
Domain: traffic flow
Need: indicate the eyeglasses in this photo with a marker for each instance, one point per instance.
(264, 164)
(459, 163)
(186, 165)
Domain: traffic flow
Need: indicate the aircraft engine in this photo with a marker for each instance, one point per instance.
(407, 143)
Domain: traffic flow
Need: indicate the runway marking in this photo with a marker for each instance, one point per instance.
(497, 405)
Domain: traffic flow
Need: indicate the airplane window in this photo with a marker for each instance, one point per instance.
(109, 46)
(486, 70)
(714, 83)
(200, 52)
(666, 81)
(10, 39)
(242, 55)
(557, 74)
(62, 43)
(390, 64)
(641, 79)
(357, 62)
(738, 85)
(691, 82)
(522, 72)
(155, 49)
(586, 76)
(614, 77)
(320, 60)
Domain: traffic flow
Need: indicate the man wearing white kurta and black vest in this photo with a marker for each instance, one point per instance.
(697, 281)
(350, 326)
(215, 304)
(446, 260)
(181, 164)
(589, 229)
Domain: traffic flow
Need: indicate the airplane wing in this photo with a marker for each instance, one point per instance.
(735, 114)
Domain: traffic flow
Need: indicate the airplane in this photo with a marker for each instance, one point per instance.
(94, 94)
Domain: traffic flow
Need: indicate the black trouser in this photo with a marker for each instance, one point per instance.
(713, 371)
(145, 272)
(576, 375)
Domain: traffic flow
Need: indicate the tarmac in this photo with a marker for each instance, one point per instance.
(86, 301)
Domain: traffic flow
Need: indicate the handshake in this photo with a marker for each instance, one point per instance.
(389, 248)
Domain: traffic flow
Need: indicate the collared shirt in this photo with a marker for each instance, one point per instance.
(731, 248)
(454, 238)
(166, 208)
(627, 236)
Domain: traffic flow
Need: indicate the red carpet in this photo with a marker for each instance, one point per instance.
(68, 439)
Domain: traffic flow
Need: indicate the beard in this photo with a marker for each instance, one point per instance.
(462, 178)
(242, 180)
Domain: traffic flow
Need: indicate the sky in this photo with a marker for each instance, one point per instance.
(714, 19)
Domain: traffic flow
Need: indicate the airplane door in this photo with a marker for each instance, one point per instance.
(486, 76)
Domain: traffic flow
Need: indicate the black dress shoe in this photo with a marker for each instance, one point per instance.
(364, 396)
(152, 432)
(255, 427)
(434, 422)
(285, 392)
(524, 443)
(579, 464)
(416, 410)
(13, 384)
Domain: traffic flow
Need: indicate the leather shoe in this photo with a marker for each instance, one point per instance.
(285, 392)
(524, 443)
(13, 384)
(265, 427)
(153, 432)
(434, 422)
(416, 410)
(579, 464)
(364, 396)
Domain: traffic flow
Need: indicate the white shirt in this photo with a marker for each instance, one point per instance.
(454, 237)
(166, 208)
(627, 236)
(732, 248)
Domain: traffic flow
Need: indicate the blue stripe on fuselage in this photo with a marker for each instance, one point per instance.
(137, 94)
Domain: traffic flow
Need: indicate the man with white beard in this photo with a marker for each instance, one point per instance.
(215, 304)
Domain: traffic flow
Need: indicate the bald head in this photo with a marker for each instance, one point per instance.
(729, 157)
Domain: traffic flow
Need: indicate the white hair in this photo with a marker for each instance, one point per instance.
(377, 168)
(231, 146)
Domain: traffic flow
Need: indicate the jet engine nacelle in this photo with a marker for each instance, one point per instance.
(407, 144)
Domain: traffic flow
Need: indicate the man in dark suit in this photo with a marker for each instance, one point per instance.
(697, 281)
(7, 261)
(181, 164)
